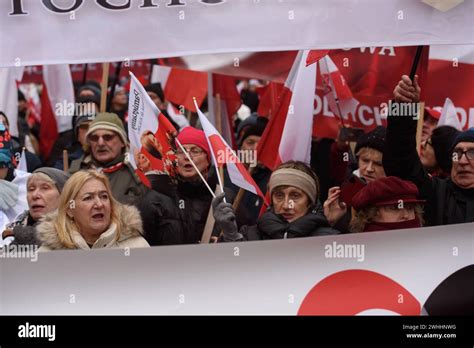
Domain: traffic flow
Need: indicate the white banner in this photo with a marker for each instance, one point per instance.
(391, 272)
(78, 31)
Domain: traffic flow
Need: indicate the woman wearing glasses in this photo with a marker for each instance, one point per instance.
(176, 212)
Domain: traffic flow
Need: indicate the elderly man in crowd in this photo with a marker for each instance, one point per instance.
(106, 151)
(448, 201)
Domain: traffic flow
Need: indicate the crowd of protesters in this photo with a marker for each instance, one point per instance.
(94, 198)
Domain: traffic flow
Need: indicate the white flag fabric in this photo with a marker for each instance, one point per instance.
(150, 133)
(222, 154)
(142, 116)
(295, 141)
(22, 164)
(9, 95)
(58, 80)
(449, 116)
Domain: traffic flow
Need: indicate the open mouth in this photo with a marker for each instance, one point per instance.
(188, 166)
(98, 216)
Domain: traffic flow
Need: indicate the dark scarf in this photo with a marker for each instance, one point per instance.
(385, 226)
(197, 189)
(274, 226)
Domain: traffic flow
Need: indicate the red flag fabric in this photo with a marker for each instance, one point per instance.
(269, 98)
(49, 128)
(180, 86)
(315, 56)
(226, 88)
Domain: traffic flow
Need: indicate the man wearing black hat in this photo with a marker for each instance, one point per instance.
(448, 201)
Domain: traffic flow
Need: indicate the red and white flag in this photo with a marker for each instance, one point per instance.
(222, 154)
(222, 89)
(288, 134)
(150, 133)
(337, 91)
(177, 116)
(449, 117)
(180, 86)
(57, 105)
(9, 78)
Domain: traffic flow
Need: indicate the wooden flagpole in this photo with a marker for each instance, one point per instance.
(419, 126)
(103, 86)
(65, 160)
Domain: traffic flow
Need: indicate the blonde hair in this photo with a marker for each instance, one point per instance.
(65, 224)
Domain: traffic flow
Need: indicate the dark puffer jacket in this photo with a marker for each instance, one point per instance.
(446, 203)
(177, 214)
(274, 226)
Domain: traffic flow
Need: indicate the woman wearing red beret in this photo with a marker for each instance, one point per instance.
(388, 203)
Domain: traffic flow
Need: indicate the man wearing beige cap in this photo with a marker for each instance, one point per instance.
(106, 149)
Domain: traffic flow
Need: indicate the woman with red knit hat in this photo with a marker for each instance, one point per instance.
(176, 212)
(388, 203)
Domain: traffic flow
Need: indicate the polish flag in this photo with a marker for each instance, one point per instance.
(177, 116)
(449, 117)
(288, 134)
(150, 133)
(337, 91)
(57, 105)
(222, 154)
(9, 78)
(180, 85)
(221, 115)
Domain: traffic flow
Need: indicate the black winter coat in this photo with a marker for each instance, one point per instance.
(178, 213)
(273, 226)
(446, 203)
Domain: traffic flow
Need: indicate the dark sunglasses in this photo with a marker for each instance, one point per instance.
(107, 137)
(458, 153)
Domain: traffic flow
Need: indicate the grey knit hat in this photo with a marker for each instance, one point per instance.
(58, 176)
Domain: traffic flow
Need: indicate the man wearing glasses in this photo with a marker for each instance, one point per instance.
(449, 200)
(106, 150)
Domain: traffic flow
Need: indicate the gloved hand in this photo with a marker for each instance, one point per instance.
(8, 195)
(225, 218)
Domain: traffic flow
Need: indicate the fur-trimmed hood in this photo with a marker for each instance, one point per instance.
(131, 234)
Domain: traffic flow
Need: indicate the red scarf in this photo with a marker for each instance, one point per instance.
(385, 226)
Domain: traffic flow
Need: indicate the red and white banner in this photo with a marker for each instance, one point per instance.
(178, 28)
(350, 274)
(288, 134)
(150, 133)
